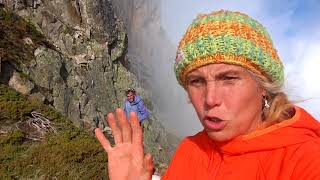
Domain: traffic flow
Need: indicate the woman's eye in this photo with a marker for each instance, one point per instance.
(228, 78)
(196, 82)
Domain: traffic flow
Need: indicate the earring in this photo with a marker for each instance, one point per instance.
(266, 104)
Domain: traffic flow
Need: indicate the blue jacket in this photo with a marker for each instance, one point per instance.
(137, 106)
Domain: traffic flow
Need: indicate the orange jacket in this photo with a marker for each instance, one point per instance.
(287, 150)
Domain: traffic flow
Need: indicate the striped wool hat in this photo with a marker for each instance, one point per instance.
(228, 37)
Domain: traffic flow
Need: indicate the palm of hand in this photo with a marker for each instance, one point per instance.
(126, 160)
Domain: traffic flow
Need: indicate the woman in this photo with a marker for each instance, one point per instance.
(135, 103)
(233, 76)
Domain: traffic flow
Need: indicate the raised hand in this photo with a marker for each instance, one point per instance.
(126, 160)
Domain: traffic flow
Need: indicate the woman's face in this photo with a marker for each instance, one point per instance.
(130, 96)
(227, 99)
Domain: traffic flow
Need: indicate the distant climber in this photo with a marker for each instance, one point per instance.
(134, 103)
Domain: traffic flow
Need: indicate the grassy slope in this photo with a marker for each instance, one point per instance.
(70, 153)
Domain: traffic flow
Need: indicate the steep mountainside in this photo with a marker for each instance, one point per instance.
(69, 54)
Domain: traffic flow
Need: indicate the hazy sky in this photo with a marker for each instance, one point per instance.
(294, 26)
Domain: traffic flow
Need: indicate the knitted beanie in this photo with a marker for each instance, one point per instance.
(230, 38)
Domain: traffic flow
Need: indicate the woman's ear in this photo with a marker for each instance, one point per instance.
(188, 100)
(264, 93)
(262, 90)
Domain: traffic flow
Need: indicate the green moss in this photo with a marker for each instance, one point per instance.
(4, 15)
(16, 107)
(68, 30)
(26, 76)
(7, 94)
(14, 30)
(14, 138)
(69, 154)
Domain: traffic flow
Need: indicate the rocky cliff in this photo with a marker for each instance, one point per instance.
(70, 54)
(78, 74)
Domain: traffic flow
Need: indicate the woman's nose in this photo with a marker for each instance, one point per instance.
(213, 95)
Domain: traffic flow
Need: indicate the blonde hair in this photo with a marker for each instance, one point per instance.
(281, 108)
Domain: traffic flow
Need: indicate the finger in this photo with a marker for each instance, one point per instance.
(102, 139)
(124, 125)
(115, 130)
(136, 129)
(148, 164)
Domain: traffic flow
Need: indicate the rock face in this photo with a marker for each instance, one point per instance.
(21, 84)
(77, 76)
(81, 74)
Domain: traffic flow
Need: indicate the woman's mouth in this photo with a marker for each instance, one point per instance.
(214, 123)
